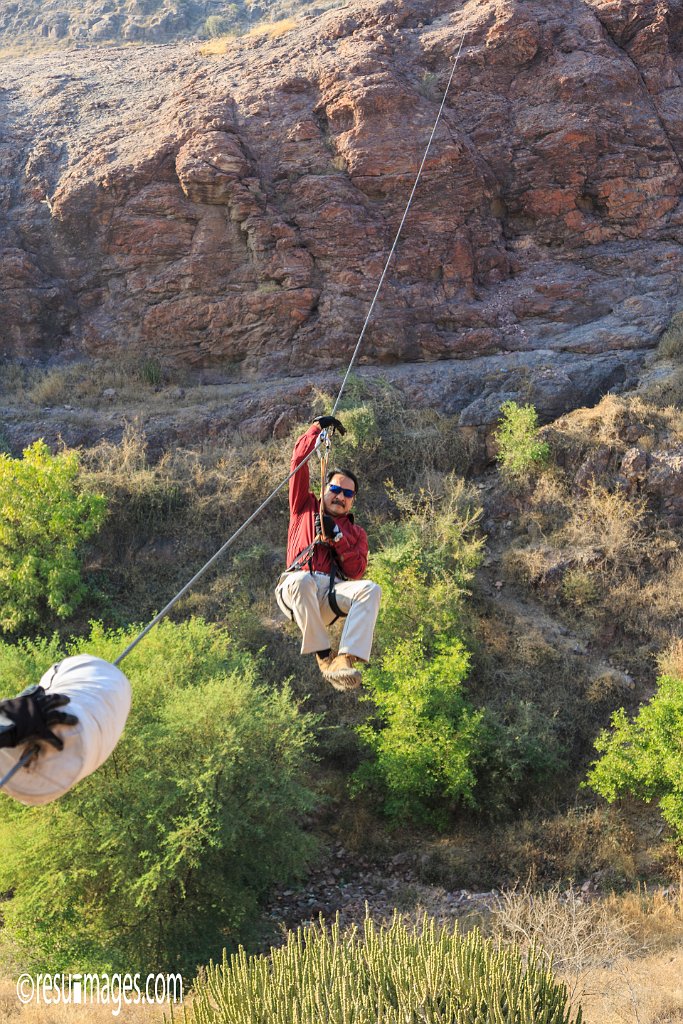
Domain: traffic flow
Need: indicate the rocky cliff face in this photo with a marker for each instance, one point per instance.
(235, 213)
(85, 22)
(99, 20)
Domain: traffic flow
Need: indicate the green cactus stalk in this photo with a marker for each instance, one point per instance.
(389, 974)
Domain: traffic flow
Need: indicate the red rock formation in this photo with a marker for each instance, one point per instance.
(236, 212)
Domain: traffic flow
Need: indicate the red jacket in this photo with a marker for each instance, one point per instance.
(351, 550)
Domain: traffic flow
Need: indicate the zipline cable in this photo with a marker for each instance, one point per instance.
(323, 436)
(400, 227)
(24, 759)
(214, 558)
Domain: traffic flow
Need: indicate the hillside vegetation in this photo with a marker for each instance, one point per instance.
(524, 605)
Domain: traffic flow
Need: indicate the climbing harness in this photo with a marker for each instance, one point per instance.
(335, 567)
(335, 572)
(323, 439)
(305, 557)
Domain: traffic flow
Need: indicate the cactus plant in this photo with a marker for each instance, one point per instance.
(389, 974)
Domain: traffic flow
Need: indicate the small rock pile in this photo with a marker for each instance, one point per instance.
(351, 886)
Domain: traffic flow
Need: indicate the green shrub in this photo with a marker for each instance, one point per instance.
(520, 748)
(642, 757)
(217, 25)
(44, 517)
(160, 858)
(393, 974)
(151, 372)
(519, 448)
(426, 562)
(425, 735)
(432, 749)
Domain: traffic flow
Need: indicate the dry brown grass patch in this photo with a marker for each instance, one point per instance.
(644, 990)
(274, 29)
(618, 422)
(13, 1012)
(651, 608)
(671, 342)
(620, 955)
(667, 392)
(671, 661)
(217, 47)
(608, 522)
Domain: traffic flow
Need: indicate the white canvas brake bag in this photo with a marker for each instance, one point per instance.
(100, 698)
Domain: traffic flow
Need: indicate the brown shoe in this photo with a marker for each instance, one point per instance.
(324, 663)
(341, 673)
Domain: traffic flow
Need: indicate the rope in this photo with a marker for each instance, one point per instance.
(20, 764)
(214, 558)
(324, 463)
(400, 227)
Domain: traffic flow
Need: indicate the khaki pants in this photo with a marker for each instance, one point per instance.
(302, 596)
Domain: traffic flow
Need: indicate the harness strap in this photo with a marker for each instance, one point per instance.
(304, 556)
(331, 595)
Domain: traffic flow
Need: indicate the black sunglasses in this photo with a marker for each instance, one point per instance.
(346, 491)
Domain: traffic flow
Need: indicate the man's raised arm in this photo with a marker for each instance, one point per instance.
(300, 484)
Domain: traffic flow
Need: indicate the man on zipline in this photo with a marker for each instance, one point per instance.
(323, 580)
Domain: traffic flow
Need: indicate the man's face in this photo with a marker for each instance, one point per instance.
(339, 504)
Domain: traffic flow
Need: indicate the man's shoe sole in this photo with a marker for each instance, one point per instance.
(344, 681)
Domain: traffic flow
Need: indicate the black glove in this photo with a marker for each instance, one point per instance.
(31, 715)
(332, 531)
(331, 421)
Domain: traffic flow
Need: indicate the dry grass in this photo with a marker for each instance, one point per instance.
(607, 522)
(601, 842)
(671, 661)
(216, 480)
(54, 388)
(668, 392)
(579, 542)
(265, 29)
(166, 518)
(273, 29)
(620, 955)
(671, 342)
(132, 377)
(615, 846)
(599, 554)
(644, 990)
(217, 47)
(616, 421)
(13, 1012)
(647, 606)
(33, 44)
